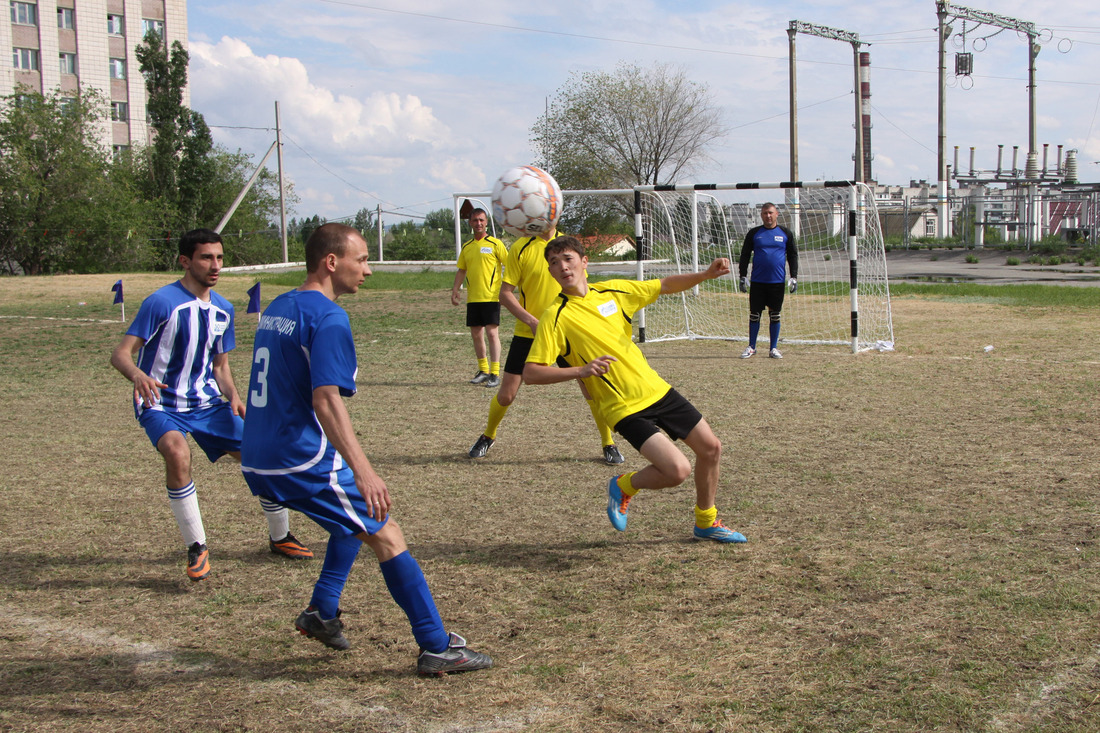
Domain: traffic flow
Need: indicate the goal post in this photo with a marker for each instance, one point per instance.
(843, 292)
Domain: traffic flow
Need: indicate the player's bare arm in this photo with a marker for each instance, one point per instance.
(546, 374)
(684, 281)
(332, 413)
(146, 389)
(456, 299)
(509, 300)
(224, 377)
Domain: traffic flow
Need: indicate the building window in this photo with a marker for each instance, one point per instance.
(25, 59)
(114, 25)
(24, 13)
(929, 227)
(68, 62)
(120, 111)
(119, 151)
(68, 104)
(66, 18)
(152, 26)
(118, 69)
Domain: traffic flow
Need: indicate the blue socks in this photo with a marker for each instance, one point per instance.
(754, 331)
(407, 586)
(773, 333)
(339, 558)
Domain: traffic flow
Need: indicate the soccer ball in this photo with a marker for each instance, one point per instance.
(527, 201)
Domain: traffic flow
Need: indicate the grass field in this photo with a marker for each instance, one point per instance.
(923, 537)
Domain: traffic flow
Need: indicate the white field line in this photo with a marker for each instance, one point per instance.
(51, 318)
(1027, 710)
(144, 653)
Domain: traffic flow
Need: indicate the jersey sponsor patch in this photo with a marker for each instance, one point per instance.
(486, 250)
(608, 309)
(221, 322)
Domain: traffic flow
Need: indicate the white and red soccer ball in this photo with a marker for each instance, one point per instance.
(527, 201)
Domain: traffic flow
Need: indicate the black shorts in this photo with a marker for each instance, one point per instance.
(483, 314)
(517, 355)
(766, 295)
(672, 413)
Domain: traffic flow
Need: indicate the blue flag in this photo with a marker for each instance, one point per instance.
(253, 299)
(117, 288)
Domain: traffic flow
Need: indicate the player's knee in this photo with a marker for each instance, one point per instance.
(754, 318)
(710, 451)
(774, 316)
(388, 542)
(173, 446)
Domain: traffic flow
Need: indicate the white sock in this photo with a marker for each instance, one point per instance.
(278, 519)
(185, 506)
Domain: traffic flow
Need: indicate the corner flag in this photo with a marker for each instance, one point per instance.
(117, 288)
(253, 299)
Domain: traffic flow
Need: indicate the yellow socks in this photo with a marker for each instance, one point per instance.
(494, 367)
(606, 436)
(496, 414)
(704, 518)
(626, 486)
(483, 365)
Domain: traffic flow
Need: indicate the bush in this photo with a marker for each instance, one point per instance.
(1012, 261)
(972, 259)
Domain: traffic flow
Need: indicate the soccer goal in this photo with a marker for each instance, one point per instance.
(843, 293)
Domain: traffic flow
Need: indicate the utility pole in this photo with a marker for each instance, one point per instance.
(822, 31)
(945, 11)
(282, 187)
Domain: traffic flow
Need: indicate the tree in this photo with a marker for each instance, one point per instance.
(192, 181)
(63, 205)
(633, 126)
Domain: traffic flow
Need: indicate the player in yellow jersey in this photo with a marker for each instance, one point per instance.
(528, 288)
(584, 326)
(480, 263)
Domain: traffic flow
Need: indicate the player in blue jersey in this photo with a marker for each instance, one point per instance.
(182, 336)
(300, 450)
(772, 249)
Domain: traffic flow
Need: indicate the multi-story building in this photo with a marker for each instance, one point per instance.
(69, 45)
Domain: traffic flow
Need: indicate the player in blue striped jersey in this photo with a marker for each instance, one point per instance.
(182, 336)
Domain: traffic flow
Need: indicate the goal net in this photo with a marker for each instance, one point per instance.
(843, 295)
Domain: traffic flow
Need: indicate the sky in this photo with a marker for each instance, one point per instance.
(401, 103)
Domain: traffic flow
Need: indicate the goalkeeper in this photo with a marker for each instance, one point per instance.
(584, 325)
(772, 249)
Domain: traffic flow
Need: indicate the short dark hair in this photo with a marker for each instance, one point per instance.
(557, 245)
(477, 211)
(769, 205)
(325, 240)
(195, 237)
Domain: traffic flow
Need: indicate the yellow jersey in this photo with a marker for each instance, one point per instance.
(581, 329)
(527, 270)
(483, 260)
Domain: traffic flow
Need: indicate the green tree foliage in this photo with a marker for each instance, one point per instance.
(63, 205)
(432, 239)
(621, 129)
(192, 181)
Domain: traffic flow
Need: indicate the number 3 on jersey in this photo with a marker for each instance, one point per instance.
(258, 393)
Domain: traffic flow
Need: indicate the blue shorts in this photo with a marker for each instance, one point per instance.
(332, 500)
(216, 429)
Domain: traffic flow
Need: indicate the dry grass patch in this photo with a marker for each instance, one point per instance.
(922, 550)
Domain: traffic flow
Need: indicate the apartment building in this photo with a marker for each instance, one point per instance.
(69, 45)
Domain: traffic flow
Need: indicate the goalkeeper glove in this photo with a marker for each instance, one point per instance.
(744, 285)
(794, 285)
